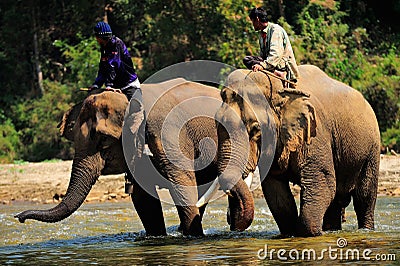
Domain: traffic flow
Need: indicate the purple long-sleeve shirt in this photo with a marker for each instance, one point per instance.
(115, 68)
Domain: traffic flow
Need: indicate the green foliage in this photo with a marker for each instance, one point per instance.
(38, 120)
(353, 41)
(386, 109)
(344, 54)
(185, 27)
(238, 38)
(378, 80)
(390, 138)
(9, 140)
(324, 38)
(81, 60)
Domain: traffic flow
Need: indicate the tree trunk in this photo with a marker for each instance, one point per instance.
(36, 53)
(281, 9)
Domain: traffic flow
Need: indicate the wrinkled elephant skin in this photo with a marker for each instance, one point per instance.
(327, 142)
(95, 127)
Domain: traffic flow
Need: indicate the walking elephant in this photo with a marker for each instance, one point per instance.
(326, 140)
(181, 135)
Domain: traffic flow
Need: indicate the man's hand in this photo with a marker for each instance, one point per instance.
(91, 88)
(113, 90)
(257, 67)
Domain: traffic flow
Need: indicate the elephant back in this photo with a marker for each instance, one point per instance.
(180, 114)
(334, 99)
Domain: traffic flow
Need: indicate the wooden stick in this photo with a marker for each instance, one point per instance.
(275, 76)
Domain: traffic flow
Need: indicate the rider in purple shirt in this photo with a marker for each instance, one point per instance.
(116, 69)
(117, 73)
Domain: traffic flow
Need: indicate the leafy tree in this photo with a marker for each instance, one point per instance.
(238, 37)
(39, 119)
(323, 35)
(390, 138)
(16, 74)
(355, 41)
(386, 109)
(9, 140)
(81, 61)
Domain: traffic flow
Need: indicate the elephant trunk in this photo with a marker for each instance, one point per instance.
(241, 207)
(85, 172)
(230, 170)
(234, 163)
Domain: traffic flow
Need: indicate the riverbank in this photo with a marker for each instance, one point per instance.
(47, 182)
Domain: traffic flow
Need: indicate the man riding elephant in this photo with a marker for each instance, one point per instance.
(276, 53)
(117, 73)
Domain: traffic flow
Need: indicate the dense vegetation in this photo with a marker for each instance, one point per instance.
(47, 52)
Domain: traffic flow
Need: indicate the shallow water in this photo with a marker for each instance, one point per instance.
(111, 233)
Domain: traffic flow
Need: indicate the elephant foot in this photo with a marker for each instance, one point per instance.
(190, 221)
(308, 229)
(308, 233)
(366, 224)
(309, 223)
(333, 218)
(281, 202)
(150, 212)
(189, 232)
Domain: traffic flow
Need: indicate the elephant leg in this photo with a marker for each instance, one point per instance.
(185, 198)
(335, 214)
(333, 218)
(190, 220)
(149, 210)
(202, 210)
(365, 193)
(281, 202)
(317, 193)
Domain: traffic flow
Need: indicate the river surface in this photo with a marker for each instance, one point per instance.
(111, 234)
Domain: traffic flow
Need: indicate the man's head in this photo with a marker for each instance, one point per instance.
(102, 32)
(259, 18)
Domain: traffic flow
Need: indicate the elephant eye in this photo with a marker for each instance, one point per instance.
(255, 130)
(237, 98)
(223, 94)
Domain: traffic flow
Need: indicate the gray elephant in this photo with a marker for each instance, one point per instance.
(183, 141)
(326, 140)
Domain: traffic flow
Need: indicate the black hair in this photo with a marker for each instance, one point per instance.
(260, 13)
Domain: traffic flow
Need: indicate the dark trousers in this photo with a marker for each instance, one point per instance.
(250, 60)
(134, 125)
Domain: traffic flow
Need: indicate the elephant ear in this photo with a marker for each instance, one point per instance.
(102, 113)
(298, 124)
(108, 110)
(68, 121)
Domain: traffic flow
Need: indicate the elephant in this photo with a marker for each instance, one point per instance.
(323, 136)
(184, 154)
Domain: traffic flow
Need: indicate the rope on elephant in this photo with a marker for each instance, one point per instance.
(275, 76)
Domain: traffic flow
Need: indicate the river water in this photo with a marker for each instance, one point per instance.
(111, 234)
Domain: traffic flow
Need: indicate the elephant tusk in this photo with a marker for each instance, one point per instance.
(209, 194)
(249, 179)
(214, 188)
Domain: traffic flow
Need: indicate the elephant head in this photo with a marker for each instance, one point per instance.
(95, 126)
(259, 123)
